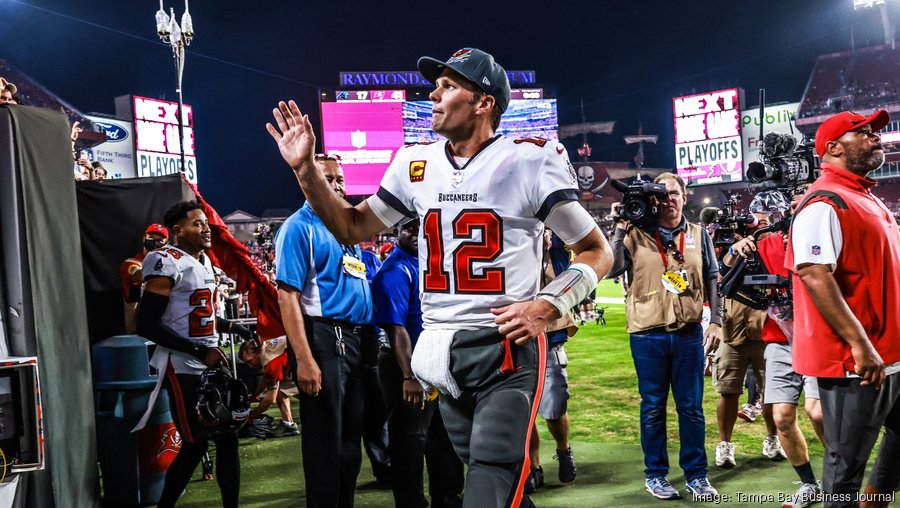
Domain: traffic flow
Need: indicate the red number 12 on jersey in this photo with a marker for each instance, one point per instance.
(465, 281)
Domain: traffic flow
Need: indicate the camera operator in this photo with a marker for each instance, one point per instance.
(743, 347)
(782, 385)
(844, 255)
(672, 270)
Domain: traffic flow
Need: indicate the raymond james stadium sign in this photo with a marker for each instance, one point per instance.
(413, 78)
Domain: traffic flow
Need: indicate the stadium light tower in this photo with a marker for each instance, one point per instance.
(886, 25)
(178, 37)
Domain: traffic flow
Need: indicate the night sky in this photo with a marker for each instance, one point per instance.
(626, 60)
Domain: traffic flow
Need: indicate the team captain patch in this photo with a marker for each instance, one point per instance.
(417, 171)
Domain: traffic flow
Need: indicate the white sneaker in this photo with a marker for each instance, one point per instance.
(772, 448)
(807, 494)
(289, 428)
(725, 455)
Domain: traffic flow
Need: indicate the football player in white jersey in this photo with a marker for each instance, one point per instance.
(482, 200)
(177, 311)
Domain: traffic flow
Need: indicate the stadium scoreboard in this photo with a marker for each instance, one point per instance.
(365, 128)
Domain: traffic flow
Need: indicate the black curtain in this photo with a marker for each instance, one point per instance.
(112, 216)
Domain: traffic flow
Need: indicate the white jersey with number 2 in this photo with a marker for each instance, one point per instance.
(480, 238)
(191, 312)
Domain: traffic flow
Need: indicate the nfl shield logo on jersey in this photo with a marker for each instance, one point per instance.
(358, 139)
(417, 171)
(815, 250)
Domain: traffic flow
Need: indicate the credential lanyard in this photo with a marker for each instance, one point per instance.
(662, 250)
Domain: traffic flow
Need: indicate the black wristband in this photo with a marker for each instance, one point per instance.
(410, 378)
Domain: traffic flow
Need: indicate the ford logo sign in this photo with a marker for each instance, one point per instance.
(114, 133)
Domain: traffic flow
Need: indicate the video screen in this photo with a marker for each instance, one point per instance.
(365, 128)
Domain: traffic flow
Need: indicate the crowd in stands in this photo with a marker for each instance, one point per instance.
(853, 80)
(262, 248)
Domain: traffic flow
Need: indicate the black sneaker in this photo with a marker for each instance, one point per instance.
(567, 467)
(535, 480)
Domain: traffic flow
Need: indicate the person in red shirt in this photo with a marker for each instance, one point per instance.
(844, 255)
(782, 385)
(155, 236)
(276, 388)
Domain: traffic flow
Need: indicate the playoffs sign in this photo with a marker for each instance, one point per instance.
(708, 137)
(156, 138)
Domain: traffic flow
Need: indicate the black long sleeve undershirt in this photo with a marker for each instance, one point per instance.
(150, 325)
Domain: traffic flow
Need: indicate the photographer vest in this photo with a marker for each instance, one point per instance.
(867, 272)
(648, 304)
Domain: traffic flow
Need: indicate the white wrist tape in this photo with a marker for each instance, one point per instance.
(570, 287)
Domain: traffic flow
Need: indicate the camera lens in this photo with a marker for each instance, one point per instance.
(758, 172)
(635, 210)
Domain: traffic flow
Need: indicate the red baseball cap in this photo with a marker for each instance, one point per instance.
(157, 228)
(841, 123)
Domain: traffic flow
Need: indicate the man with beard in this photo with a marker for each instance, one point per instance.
(844, 255)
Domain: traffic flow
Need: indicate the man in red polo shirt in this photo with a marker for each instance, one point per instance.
(844, 255)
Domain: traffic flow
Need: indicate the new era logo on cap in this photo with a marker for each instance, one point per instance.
(486, 81)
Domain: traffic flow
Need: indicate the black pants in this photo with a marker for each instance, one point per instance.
(194, 443)
(417, 435)
(375, 434)
(853, 416)
(490, 424)
(332, 421)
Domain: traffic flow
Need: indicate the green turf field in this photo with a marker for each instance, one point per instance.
(605, 438)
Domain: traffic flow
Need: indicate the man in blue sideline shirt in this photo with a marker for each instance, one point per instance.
(375, 436)
(325, 301)
(415, 425)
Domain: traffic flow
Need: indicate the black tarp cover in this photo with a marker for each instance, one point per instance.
(59, 335)
(113, 215)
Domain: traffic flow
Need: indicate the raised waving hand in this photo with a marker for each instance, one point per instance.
(294, 135)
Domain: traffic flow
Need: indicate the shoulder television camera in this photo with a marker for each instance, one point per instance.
(750, 283)
(787, 163)
(728, 222)
(637, 205)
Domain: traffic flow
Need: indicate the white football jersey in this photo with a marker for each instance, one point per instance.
(191, 313)
(480, 238)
